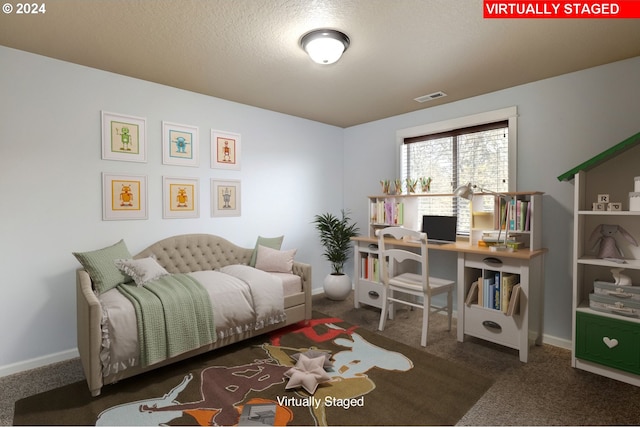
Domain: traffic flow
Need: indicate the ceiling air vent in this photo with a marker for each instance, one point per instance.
(430, 97)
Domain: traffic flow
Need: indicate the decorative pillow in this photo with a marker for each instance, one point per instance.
(307, 373)
(99, 264)
(269, 242)
(141, 270)
(275, 261)
(312, 354)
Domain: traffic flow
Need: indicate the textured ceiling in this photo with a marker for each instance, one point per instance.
(247, 50)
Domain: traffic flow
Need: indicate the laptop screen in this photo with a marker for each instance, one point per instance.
(439, 228)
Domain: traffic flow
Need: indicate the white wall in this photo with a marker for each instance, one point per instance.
(563, 121)
(50, 175)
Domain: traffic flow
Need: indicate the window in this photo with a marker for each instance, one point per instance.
(481, 150)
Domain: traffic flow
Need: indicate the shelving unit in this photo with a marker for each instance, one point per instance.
(399, 209)
(402, 210)
(517, 330)
(604, 343)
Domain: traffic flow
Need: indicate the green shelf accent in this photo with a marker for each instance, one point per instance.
(605, 155)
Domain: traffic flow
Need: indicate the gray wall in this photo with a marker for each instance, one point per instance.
(562, 122)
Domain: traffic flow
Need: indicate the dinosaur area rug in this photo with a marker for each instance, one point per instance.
(368, 380)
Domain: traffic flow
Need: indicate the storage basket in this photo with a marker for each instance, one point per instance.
(613, 305)
(619, 292)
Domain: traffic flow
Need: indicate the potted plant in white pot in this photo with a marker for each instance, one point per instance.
(335, 236)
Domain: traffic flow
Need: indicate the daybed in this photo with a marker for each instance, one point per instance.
(99, 314)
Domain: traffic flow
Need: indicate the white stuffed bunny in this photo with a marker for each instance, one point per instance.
(619, 278)
(606, 243)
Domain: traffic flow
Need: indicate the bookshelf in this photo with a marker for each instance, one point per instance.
(517, 328)
(524, 223)
(604, 341)
(400, 210)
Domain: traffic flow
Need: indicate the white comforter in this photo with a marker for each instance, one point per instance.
(242, 298)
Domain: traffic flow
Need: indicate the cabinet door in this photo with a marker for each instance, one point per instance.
(608, 341)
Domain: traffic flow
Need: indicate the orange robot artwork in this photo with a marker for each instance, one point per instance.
(126, 196)
(182, 198)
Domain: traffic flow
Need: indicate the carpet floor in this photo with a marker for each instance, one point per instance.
(544, 391)
(373, 380)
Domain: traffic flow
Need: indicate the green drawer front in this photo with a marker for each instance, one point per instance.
(593, 333)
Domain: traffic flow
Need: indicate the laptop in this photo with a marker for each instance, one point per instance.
(440, 229)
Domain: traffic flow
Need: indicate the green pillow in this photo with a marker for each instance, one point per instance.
(269, 242)
(100, 264)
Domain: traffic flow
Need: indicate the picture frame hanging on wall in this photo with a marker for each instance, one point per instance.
(180, 144)
(124, 138)
(180, 197)
(225, 197)
(124, 197)
(225, 150)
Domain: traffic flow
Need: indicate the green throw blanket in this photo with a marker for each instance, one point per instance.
(174, 315)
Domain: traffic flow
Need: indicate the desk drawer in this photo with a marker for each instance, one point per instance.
(608, 341)
(491, 262)
(491, 325)
(370, 293)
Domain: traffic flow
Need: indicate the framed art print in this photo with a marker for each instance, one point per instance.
(180, 197)
(124, 137)
(124, 197)
(225, 197)
(225, 150)
(179, 144)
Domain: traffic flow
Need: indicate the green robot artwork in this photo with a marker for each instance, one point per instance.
(125, 138)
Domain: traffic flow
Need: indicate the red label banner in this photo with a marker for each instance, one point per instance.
(624, 9)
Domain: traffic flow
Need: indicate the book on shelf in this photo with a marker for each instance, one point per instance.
(509, 280)
(472, 295)
(514, 301)
(488, 289)
(514, 238)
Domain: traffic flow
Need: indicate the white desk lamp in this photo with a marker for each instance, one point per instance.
(467, 192)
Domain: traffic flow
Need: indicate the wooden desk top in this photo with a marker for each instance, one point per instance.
(465, 247)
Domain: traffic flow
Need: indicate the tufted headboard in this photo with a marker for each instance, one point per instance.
(196, 252)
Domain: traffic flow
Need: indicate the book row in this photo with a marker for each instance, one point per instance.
(517, 216)
(496, 291)
(389, 212)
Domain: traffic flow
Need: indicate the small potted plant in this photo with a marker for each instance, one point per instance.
(335, 236)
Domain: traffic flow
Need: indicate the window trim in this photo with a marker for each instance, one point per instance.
(510, 114)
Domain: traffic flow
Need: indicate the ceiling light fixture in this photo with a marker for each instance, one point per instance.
(325, 46)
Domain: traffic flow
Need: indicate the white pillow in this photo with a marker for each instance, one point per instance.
(141, 270)
(275, 261)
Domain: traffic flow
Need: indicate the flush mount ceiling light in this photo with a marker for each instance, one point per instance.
(325, 46)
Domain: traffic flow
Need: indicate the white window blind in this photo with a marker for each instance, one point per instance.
(477, 154)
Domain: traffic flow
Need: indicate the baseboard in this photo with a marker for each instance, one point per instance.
(38, 362)
(557, 342)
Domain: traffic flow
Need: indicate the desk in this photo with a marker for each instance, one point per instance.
(518, 331)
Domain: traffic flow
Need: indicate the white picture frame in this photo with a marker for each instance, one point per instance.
(124, 138)
(180, 197)
(226, 197)
(124, 197)
(180, 144)
(226, 150)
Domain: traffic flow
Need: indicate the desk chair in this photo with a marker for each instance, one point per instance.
(420, 285)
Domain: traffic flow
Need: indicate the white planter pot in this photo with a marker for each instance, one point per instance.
(337, 286)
